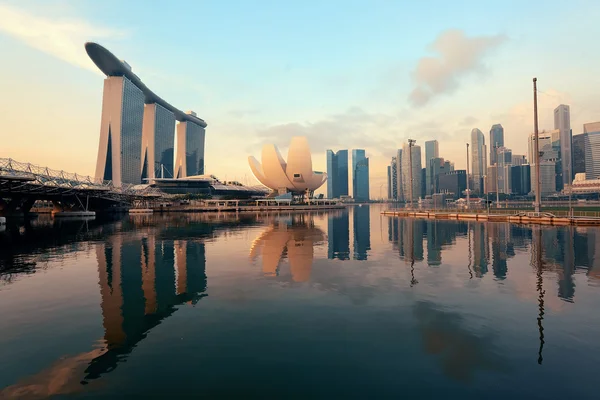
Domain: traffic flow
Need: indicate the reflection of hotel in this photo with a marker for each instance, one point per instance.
(141, 282)
(294, 240)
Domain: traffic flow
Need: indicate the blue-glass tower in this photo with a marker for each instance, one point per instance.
(360, 175)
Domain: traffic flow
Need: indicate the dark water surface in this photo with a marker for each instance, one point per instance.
(323, 305)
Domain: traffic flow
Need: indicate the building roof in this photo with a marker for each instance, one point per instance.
(110, 65)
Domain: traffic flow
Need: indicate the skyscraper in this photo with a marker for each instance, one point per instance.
(394, 178)
(390, 196)
(416, 172)
(158, 139)
(432, 151)
(189, 160)
(562, 122)
(578, 150)
(479, 160)
(119, 152)
(399, 192)
(496, 140)
(337, 174)
(592, 150)
(360, 175)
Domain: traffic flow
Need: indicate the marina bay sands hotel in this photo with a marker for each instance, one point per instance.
(138, 128)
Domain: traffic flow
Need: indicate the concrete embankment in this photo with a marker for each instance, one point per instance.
(245, 208)
(517, 219)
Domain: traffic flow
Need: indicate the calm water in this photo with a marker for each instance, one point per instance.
(341, 304)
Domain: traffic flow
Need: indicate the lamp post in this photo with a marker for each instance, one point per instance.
(411, 143)
(468, 191)
(536, 151)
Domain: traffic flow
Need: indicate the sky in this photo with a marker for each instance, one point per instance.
(346, 74)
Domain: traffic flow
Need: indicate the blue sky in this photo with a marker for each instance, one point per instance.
(347, 74)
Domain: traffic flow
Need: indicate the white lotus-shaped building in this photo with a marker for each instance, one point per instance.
(295, 176)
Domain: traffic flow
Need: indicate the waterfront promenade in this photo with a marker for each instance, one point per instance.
(579, 218)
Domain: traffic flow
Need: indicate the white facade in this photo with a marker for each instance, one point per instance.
(294, 176)
(416, 172)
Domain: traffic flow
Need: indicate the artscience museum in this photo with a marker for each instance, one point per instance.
(294, 176)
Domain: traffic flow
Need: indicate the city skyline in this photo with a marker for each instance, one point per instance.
(401, 97)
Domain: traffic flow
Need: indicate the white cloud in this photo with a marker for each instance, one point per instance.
(62, 39)
(457, 55)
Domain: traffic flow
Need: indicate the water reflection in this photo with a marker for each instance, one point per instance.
(148, 268)
(491, 245)
(460, 349)
(362, 232)
(292, 239)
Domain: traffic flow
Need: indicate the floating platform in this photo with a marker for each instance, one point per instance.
(74, 214)
(517, 219)
(141, 211)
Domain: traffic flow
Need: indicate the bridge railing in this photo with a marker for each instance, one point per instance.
(66, 180)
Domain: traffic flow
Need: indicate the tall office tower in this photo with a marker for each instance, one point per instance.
(432, 151)
(389, 183)
(416, 172)
(562, 122)
(360, 175)
(503, 162)
(189, 160)
(518, 159)
(578, 150)
(592, 150)
(158, 139)
(478, 160)
(337, 174)
(394, 178)
(520, 179)
(399, 192)
(120, 132)
(436, 167)
(423, 182)
(496, 140)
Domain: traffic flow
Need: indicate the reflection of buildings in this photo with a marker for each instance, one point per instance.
(440, 234)
(293, 240)
(502, 248)
(338, 236)
(362, 232)
(481, 252)
(141, 282)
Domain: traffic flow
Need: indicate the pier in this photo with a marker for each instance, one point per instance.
(515, 216)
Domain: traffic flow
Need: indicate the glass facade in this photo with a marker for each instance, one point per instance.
(432, 151)
(479, 162)
(132, 115)
(360, 175)
(578, 154)
(164, 139)
(562, 122)
(496, 140)
(194, 149)
(337, 174)
(592, 155)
